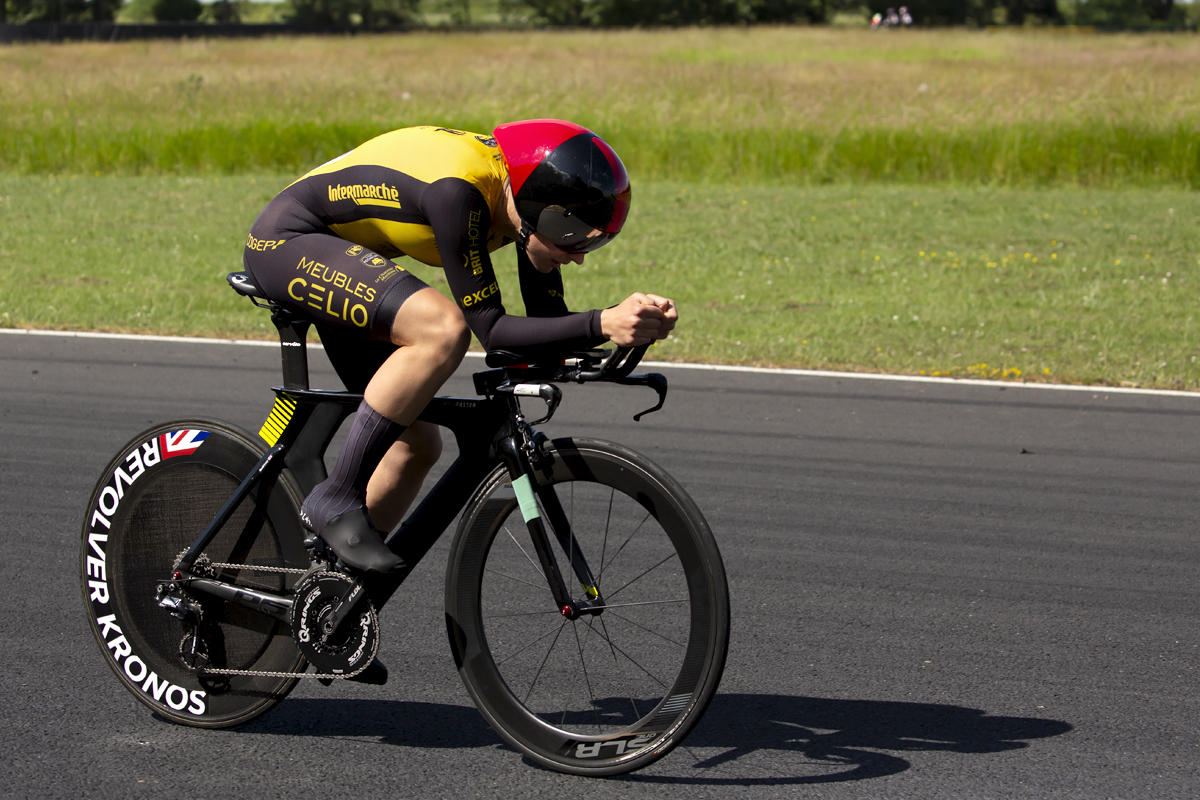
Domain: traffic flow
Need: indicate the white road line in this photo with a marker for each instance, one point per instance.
(806, 373)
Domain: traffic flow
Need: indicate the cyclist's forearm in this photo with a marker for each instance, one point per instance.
(472, 279)
(571, 331)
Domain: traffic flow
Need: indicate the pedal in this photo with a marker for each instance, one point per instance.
(318, 550)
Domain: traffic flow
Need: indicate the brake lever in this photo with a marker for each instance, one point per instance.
(656, 381)
(548, 392)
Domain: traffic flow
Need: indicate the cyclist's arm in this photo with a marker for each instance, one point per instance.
(456, 209)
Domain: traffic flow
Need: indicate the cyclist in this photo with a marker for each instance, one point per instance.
(446, 198)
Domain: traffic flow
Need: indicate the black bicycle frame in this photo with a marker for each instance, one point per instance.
(477, 424)
(489, 432)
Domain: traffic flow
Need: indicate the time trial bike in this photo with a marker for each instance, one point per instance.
(586, 601)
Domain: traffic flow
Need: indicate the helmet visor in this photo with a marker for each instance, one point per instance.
(568, 232)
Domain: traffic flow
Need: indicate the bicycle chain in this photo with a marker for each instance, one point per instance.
(209, 569)
(264, 674)
(288, 570)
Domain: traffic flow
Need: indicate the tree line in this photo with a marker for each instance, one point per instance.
(377, 14)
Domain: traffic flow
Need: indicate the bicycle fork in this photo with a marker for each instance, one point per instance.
(519, 452)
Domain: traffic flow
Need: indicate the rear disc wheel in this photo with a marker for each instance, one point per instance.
(151, 502)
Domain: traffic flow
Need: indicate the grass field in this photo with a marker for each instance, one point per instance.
(1093, 286)
(764, 105)
(1015, 205)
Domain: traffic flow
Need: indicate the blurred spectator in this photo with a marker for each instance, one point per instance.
(905, 17)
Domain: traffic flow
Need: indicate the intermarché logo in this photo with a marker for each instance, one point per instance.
(366, 194)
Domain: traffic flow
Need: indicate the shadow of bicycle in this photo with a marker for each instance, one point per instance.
(744, 739)
(762, 739)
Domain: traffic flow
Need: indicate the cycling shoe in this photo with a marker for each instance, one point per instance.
(356, 542)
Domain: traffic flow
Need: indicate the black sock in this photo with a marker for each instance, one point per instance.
(371, 434)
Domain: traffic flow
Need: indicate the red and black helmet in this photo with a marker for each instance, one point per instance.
(568, 183)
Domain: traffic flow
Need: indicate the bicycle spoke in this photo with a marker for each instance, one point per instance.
(633, 660)
(518, 580)
(617, 662)
(538, 674)
(587, 679)
(648, 630)
(531, 644)
(644, 574)
(522, 549)
(604, 545)
(646, 603)
(556, 612)
(627, 541)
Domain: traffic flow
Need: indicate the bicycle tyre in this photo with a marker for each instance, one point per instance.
(150, 503)
(632, 681)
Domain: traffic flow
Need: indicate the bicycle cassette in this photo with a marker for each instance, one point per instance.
(335, 638)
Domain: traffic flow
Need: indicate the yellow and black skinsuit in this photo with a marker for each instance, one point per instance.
(322, 247)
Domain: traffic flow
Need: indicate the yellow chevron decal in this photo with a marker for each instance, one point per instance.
(278, 420)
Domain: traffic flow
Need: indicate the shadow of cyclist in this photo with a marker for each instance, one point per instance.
(836, 740)
(743, 739)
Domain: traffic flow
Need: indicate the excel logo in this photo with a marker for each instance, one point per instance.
(478, 297)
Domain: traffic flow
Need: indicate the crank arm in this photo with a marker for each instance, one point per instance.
(346, 608)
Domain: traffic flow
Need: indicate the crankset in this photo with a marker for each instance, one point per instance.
(334, 624)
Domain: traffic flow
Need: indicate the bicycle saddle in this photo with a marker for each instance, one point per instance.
(244, 285)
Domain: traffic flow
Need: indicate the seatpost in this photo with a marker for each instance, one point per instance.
(293, 331)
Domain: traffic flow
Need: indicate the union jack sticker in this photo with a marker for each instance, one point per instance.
(180, 443)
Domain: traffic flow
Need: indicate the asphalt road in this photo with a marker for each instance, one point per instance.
(937, 591)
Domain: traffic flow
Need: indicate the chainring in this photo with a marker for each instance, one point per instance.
(317, 596)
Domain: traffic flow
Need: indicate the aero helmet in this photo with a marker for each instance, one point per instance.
(568, 184)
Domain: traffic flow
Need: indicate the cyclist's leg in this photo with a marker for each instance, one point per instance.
(346, 288)
(397, 480)
(432, 339)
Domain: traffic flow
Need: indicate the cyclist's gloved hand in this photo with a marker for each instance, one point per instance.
(639, 319)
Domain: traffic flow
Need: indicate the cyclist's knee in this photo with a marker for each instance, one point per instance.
(424, 442)
(456, 337)
(429, 320)
(449, 337)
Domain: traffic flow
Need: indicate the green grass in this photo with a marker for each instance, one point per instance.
(793, 184)
(787, 105)
(1061, 284)
(1014, 156)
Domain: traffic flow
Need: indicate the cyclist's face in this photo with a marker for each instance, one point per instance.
(547, 256)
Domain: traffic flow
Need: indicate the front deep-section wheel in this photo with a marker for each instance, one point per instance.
(151, 502)
(620, 684)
